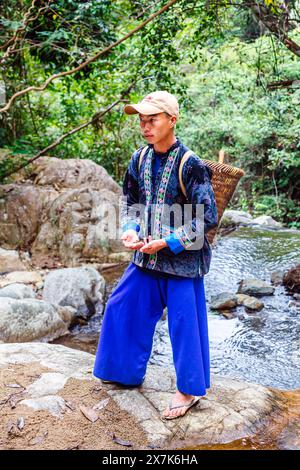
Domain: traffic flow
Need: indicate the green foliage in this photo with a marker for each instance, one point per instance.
(216, 59)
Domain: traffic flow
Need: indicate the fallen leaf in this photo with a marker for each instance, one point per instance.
(15, 398)
(12, 403)
(117, 440)
(77, 447)
(101, 404)
(89, 413)
(21, 423)
(38, 439)
(70, 405)
(10, 426)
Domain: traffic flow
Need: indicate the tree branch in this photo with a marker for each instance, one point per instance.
(276, 24)
(283, 84)
(96, 117)
(87, 62)
(17, 36)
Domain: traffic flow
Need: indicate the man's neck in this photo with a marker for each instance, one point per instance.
(165, 144)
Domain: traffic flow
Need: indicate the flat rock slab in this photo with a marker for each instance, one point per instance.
(230, 410)
(49, 400)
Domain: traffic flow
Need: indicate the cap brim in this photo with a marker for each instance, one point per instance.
(142, 108)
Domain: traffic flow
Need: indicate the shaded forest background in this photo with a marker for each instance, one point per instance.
(234, 66)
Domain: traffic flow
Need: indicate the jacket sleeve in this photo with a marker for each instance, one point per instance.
(130, 217)
(197, 180)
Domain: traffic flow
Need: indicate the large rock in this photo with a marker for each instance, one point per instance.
(72, 173)
(255, 287)
(81, 288)
(21, 213)
(11, 260)
(64, 211)
(291, 279)
(233, 218)
(267, 221)
(253, 304)
(230, 410)
(22, 277)
(17, 291)
(31, 320)
(76, 226)
(223, 301)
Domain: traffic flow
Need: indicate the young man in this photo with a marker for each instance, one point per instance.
(167, 267)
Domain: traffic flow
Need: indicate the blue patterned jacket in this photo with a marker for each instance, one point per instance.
(179, 257)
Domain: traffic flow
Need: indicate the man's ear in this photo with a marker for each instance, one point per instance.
(174, 120)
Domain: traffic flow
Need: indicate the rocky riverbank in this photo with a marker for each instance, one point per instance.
(53, 266)
(50, 400)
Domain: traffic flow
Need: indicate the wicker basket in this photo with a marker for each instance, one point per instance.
(225, 179)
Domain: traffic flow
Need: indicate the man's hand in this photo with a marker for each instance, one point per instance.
(131, 240)
(147, 245)
(153, 246)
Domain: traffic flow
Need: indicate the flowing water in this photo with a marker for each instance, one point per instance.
(261, 347)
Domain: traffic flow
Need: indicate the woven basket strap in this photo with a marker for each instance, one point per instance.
(183, 160)
(141, 156)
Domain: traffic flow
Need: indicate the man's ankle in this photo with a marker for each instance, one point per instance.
(185, 394)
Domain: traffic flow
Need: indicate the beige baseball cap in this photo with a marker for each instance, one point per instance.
(155, 102)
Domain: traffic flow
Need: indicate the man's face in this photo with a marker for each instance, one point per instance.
(156, 127)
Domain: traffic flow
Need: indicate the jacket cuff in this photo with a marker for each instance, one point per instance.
(131, 225)
(174, 244)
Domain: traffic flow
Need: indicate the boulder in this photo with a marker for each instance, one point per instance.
(223, 301)
(21, 213)
(267, 221)
(255, 287)
(21, 277)
(17, 291)
(31, 320)
(81, 288)
(72, 173)
(253, 304)
(10, 260)
(67, 210)
(241, 298)
(233, 218)
(291, 279)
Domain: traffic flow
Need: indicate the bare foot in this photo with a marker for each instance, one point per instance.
(179, 398)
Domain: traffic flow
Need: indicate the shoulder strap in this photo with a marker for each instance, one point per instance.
(187, 154)
(141, 156)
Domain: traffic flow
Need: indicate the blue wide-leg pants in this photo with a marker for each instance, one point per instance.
(131, 314)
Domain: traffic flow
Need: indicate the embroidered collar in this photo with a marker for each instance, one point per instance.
(165, 154)
(171, 156)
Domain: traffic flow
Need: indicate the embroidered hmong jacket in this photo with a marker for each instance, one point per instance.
(155, 196)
